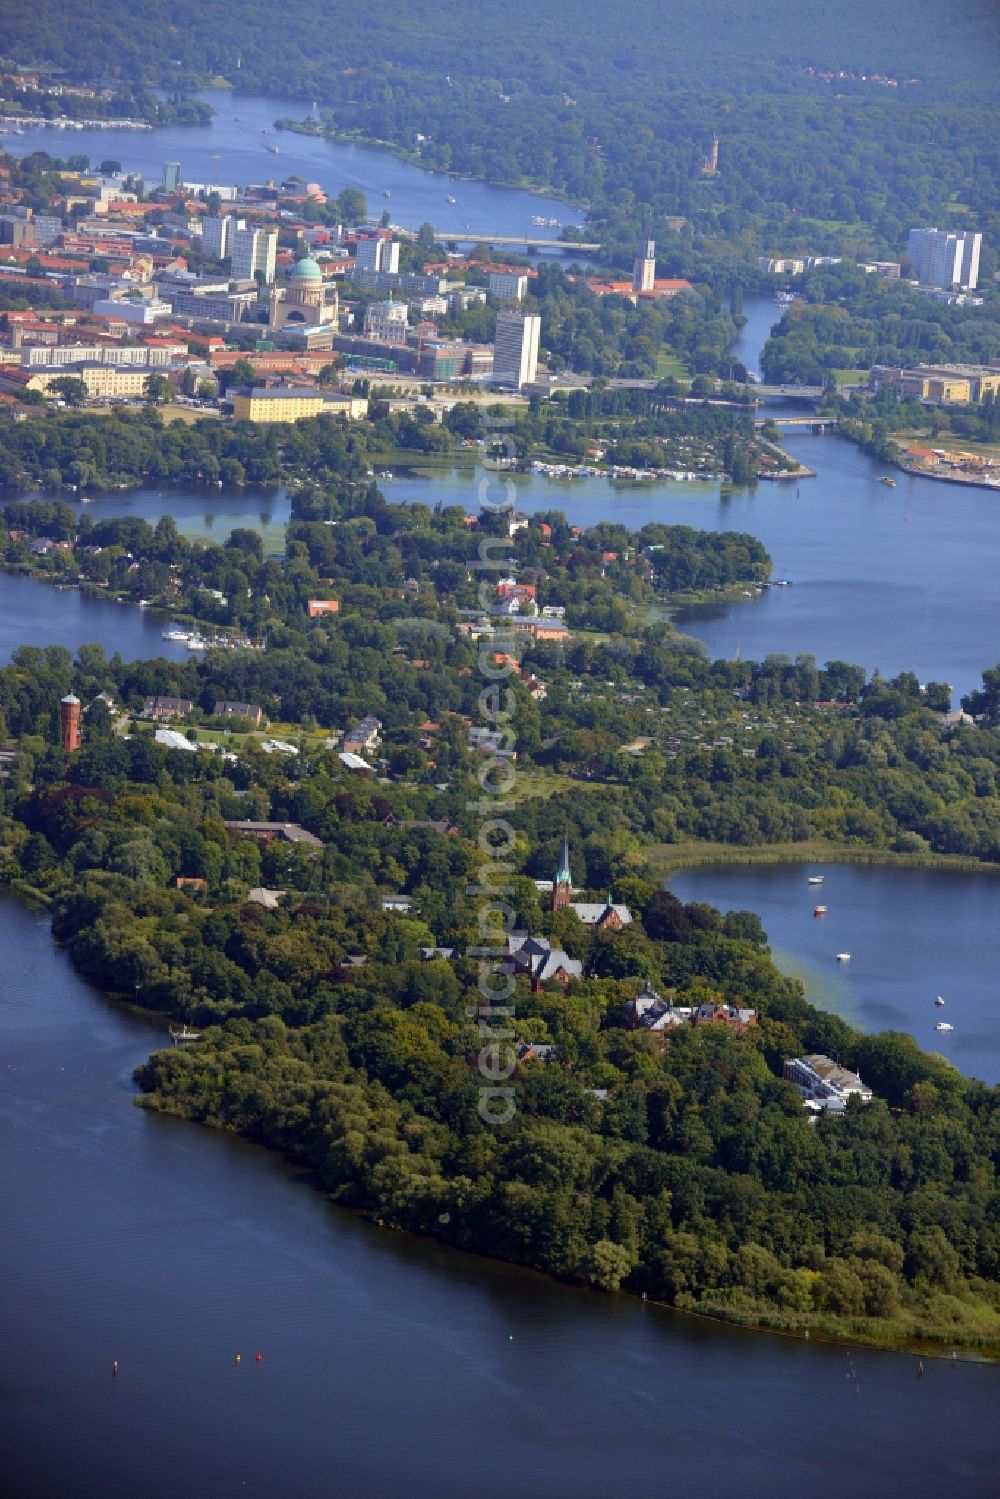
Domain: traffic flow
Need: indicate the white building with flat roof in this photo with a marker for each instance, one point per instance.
(508, 286)
(253, 249)
(941, 257)
(825, 1082)
(215, 231)
(515, 349)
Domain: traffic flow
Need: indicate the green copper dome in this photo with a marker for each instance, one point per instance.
(305, 270)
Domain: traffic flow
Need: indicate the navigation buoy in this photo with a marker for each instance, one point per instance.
(114, 1367)
(236, 1359)
(920, 1368)
(510, 1337)
(259, 1357)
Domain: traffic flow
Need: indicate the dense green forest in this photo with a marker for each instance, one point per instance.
(687, 1170)
(617, 110)
(845, 319)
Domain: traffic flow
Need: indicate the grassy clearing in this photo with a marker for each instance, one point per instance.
(669, 367)
(851, 377)
(546, 783)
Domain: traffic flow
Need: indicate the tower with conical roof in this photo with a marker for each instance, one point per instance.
(562, 885)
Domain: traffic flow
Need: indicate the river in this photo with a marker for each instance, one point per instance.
(904, 579)
(912, 934)
(390, 1365)
(236, 137)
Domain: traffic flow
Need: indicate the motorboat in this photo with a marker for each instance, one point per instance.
(944, 1026)
(195, 643)
(819, 910)
(889, 483)
(451, 199)
(939, 1000)
(816, 879)
(177, 635)
(843, 957)
(178, 1037)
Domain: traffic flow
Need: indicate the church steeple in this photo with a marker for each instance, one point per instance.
(562, 885)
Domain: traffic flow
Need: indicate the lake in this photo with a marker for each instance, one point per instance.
(236, 135)
(391, 1366)
(912, 934)
(35, 613)
(904, 579)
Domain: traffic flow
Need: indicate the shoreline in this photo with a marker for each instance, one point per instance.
(667, 859)
(925, 1344)
(413, 158)
(822, 1329)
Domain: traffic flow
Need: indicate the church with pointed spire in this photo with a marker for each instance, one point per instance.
(562, 885)
(605, 915)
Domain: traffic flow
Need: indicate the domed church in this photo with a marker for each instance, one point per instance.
(304, 302)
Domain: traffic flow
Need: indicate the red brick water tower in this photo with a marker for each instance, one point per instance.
(69, 722)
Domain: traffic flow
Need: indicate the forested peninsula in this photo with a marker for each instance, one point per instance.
(328, 966)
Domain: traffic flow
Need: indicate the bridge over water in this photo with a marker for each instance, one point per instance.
(530, 242)
(796, 421)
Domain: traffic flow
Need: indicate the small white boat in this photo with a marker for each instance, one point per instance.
(843, 957)
(939, 1000)
(816, 879)
(178, 1037)
(451, 199)
(177, 635)
(819, 910)
(195, 643)
(944, 1026)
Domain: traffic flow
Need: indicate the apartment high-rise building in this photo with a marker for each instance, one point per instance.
(171, 176)
(253, 250)
(215, 232)
(942, 257)
(515, 349)
(508, 286)
(644, 268)
(377, 252)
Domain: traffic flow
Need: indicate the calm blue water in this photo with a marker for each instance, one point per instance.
(391, 1366)
(912, 934)
(236, 133)
(34, 613)
(904, 579)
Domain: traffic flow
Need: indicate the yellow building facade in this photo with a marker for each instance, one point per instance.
(277, 405)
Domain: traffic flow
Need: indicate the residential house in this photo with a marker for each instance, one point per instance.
(604, 915)
(167, 707)
(269, 832)
(713, 1014)
(824, 1082)
(363, 737)
(543, 963)
(226, 709)
(649, 1011)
